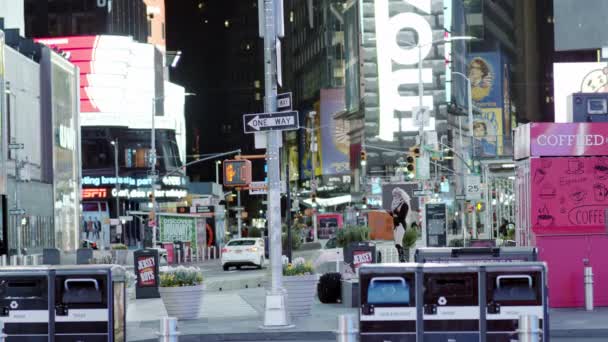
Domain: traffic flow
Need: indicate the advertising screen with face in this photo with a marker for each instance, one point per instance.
(569, 78)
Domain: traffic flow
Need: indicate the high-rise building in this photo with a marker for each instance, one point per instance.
(62, 18)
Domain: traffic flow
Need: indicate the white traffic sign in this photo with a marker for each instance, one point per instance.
(279, 121)
(15, 146)
(472, 189)
(261, 188)
(284, 102)
(16, 211)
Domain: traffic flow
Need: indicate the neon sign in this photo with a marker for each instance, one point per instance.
(94, 193)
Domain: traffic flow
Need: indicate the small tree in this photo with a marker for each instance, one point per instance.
(349, 234)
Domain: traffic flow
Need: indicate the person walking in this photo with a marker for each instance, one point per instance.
(400, 208)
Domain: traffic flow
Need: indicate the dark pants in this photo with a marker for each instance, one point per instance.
(401, 253)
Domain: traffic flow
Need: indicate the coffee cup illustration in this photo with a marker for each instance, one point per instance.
(539, 176)
(575, 166)
(601, 170)
(578, 195)
(600, 192)
(547, 191)
(545, 219)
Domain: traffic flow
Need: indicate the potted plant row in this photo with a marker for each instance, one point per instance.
(181, 289)
(119, 253)
(300, 283)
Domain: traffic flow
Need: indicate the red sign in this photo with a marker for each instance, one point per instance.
(361, 257)
(146, 269)
(94, 193)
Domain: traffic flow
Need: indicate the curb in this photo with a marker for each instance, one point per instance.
(331, 336)
(261, 336)
(580, 333)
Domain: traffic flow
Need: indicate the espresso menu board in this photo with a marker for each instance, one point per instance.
(569, 194)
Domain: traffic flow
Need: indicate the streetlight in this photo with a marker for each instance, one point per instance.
(116, 183)
(153, 174)
(217, 171)
(421, 84)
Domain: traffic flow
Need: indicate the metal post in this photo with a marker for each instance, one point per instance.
(288, 213)
(3, 336)
(588, 288)
(168, 330)
(313, 176)
(239, 219)
(528, 330)
(217, 171)
(347, 328)
(117, 186)
(275, 310)
(152, 174)
(420, 100)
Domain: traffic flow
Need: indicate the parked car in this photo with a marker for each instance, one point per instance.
(243, 252)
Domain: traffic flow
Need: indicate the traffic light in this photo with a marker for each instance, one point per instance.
(237, 172)
(410, 160)
(363, 157)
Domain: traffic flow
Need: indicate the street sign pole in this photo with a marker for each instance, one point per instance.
(275, 310)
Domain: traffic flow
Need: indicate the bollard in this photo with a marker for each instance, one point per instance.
(588, 288)
(3, 260)
(168, 330)
(2, 334)
(347, 328)
(528, 329)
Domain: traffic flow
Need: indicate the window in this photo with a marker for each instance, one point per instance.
(97, 154)
(137, 157)
(241, 243)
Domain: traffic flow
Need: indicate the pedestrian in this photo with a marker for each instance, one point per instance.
(90, 227)
(245, 232)
(97, 228)
(400, 208)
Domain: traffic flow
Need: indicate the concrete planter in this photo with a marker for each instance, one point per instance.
(300, 293)
(183, 302)
(119, 256)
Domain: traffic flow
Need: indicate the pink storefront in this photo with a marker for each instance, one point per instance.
(562, 192)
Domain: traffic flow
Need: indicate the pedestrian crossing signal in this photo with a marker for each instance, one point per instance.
(237, 172)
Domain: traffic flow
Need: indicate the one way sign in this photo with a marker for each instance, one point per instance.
(279, 121)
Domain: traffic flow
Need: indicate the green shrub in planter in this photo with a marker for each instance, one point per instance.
(409, 238)
(296, 241)
(349, 234)
(455, 243)
(119, 246)
(255, 232)
(180, 276)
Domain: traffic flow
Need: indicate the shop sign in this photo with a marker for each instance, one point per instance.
(146, 267)
(145, 193)
(94, 193)
(362, 257)
(132, 181)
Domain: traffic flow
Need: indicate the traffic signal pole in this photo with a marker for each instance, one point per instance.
(275, 308)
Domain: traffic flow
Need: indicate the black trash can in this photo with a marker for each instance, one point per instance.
(90, 303)
(514, 290)
(26, 295)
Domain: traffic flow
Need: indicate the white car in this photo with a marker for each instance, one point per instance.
(243, 252)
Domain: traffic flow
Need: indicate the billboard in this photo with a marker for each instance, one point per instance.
(580, 27)
(486, 71)
(569, 78)
(306, 153)
(334, 133)
(391, 73)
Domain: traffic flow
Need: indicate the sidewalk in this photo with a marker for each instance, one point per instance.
(238, 314)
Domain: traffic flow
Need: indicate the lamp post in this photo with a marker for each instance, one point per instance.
(421, 83)
(313, 176)
(153, 175)
(217, 171)
(470, 116)
(117, 184)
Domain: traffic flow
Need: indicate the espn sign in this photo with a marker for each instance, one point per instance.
(92, 193)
